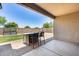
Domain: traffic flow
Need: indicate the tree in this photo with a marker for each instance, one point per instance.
(11, 25)
(36, 27)
(51, 24)
(27, 27)
(46, 25)
(2, 21)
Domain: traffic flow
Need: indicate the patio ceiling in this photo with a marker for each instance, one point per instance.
(53, 9)
(59, 9)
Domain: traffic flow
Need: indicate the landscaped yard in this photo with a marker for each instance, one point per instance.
(7, 38)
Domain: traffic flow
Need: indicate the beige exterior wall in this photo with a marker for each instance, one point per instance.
(66, 27)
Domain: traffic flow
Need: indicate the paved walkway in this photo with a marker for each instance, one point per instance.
(55, 48)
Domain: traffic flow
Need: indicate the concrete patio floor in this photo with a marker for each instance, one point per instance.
(55, 48)
(51, 48)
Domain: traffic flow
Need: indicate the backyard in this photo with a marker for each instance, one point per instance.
(7, 38)
(12, 36)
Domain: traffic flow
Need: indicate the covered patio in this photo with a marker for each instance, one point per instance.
(66, 31)
(55, 48)
(65, 40)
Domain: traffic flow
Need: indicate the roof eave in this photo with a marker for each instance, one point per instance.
(38, 8)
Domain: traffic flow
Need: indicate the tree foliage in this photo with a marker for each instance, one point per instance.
(27, 27)
(11, 25)
(2, 21)
(47, 25)
(36, 27)
(51, 24)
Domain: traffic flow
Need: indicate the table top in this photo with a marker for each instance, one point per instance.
(29, 33)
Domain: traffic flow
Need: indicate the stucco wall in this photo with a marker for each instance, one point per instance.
(66, 27)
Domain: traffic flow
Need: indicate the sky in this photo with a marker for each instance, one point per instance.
(23, 16)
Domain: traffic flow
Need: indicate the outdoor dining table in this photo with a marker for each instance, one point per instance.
(29, 38)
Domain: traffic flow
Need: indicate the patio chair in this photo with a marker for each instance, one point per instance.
(41, 34)
(34, 39)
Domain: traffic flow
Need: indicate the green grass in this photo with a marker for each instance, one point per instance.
(7, 38)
